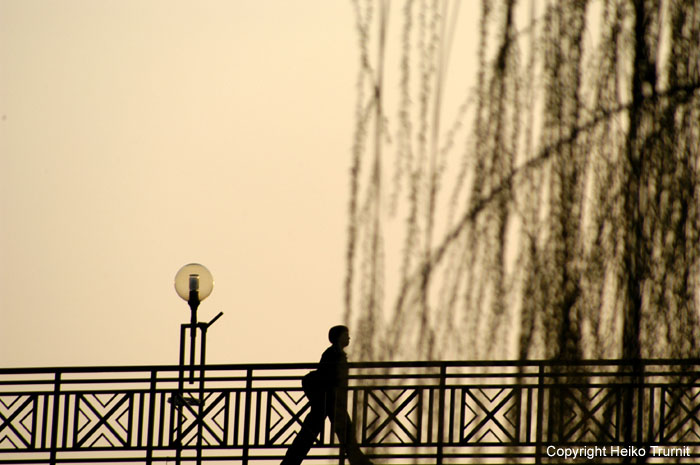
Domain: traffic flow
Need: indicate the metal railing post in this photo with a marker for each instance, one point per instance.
(246, 421)
(180, 396)
(200, 410)
(54, 417)
(540, 415)
(441, 413)
(151, 414)
(639, 385)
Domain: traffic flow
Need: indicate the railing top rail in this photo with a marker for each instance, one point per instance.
(401, 364)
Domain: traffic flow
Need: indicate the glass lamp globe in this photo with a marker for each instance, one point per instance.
(194, 277)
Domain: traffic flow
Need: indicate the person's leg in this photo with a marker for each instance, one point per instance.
(345, 430)
(312, 425)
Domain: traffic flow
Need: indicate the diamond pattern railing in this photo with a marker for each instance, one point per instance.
(426, 413)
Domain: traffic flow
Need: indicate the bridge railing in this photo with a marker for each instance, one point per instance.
(413, 412)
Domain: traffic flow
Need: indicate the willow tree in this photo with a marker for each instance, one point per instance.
(555, 214)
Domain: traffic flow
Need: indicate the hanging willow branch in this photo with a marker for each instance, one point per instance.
(557, 215)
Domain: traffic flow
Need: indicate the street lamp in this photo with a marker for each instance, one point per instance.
(194, 283)
(194, 278)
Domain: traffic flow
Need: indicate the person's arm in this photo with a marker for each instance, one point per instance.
(334, 368)
(342, 371)
(328, 368)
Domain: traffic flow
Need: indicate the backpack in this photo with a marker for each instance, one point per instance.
(311, 384)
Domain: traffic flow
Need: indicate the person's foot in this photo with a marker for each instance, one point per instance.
(360, 460)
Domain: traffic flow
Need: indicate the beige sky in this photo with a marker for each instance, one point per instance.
(138, 136)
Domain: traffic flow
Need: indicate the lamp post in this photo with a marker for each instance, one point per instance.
(194, 283)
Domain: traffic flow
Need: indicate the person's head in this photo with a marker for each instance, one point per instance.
(339, 336)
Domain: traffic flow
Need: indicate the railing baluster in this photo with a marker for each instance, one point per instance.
(35, 416)
(161, 421)
(451, 415)
(76, 414)
(138, 427)
(528, 413)
(640, 406)
(227, 408)
(662, 416)
(650, 431)
(66, 415)
(45, 420)
(268, 414)
(237, 419)
(431, 417)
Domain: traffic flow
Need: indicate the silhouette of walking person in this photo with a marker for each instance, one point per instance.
(327, 390)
